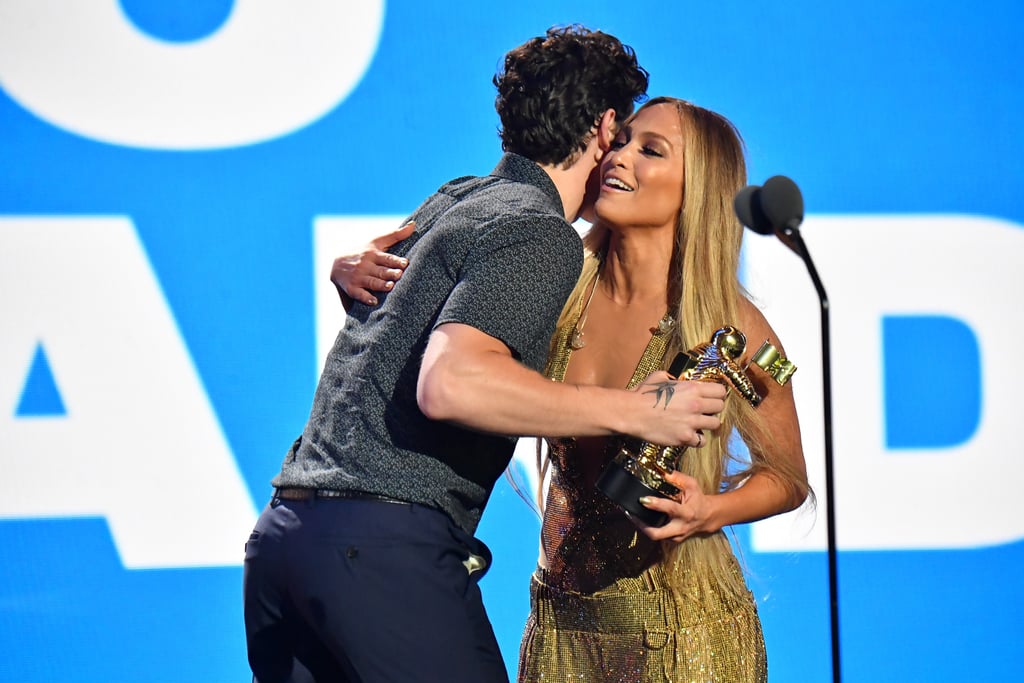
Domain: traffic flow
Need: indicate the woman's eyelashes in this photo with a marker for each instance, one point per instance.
(646, 150)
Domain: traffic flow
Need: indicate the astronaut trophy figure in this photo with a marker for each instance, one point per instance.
(640, 467)
(715, 361)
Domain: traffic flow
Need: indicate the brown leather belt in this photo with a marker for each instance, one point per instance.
(292, 493)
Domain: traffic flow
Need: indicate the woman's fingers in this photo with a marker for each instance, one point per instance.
(388, 240)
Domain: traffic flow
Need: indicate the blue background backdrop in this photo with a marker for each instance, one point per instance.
(876, 107)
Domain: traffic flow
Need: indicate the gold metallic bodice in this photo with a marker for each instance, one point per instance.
(588, 542)
(606, 608)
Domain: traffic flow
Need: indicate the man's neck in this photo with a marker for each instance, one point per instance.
(570, 188)
(571, 182)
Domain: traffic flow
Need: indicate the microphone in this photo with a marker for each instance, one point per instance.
(777, 208)
(748, 209)
(772, 208)
(782, 204)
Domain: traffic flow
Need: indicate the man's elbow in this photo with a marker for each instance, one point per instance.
(438, 397)
(455, 377)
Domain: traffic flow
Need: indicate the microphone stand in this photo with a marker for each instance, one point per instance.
(790, 234)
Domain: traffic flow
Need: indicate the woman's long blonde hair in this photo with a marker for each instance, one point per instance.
(704, 281)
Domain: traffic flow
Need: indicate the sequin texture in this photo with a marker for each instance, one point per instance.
(606, 607)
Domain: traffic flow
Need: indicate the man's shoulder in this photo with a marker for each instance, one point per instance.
(516, 185)
(484, 201)
(493, 187)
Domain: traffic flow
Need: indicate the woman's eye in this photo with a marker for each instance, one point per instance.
(618, 144)
(650, 151)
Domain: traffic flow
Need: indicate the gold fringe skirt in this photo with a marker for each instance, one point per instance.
(638, 631)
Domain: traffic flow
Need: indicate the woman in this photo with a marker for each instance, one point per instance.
(614, 599)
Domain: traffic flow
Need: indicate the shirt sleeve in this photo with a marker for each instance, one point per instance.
(514, 283)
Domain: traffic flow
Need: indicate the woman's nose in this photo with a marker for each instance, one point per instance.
(620, 156)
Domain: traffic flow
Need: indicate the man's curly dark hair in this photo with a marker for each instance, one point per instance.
(553, 90)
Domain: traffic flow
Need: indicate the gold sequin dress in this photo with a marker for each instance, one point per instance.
(604, 608)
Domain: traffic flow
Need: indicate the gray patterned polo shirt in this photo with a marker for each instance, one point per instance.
(494, 252)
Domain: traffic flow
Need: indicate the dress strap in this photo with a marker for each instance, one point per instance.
(653, 357)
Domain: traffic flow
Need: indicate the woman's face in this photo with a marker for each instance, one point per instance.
(642, 173)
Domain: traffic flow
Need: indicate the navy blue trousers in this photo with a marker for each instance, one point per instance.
(362, 591)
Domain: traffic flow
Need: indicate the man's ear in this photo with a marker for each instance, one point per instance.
(607, 129)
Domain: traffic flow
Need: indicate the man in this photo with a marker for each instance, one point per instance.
(364, 566)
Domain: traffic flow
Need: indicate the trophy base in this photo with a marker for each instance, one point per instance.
(625, 489)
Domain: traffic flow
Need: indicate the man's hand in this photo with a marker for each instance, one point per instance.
(678, 410)
(357, 276)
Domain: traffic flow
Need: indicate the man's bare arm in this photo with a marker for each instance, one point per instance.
(471, 378)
